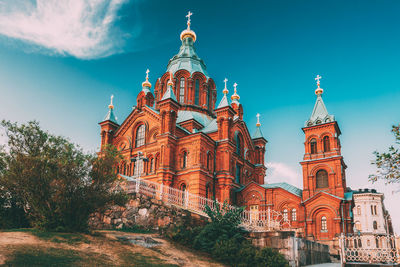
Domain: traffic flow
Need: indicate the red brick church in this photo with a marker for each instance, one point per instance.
(189, 139)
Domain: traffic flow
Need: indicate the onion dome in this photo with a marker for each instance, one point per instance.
(110, 114)
(146, 85)
(258, 133)
(320, 113)
(235, 97)
(224, 101)
(187, 59)
(188, 32)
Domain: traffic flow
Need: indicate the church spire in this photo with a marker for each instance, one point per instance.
(258, 133)
(224, 101)
(110, 114)
(169, 94)
(146, 85)
(320, 113)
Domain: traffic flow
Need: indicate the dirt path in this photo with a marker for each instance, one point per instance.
(109, 245)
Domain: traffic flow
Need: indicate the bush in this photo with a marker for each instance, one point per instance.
(270, 257)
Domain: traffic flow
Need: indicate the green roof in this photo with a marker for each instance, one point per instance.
(224, 102)
(320, 113)
(169, 94)
(285, 186)
(257, 133)
(110, 116)
(187, 59)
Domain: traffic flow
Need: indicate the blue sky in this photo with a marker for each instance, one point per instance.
(61, 60)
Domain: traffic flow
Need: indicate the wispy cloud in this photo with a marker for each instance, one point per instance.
(281, 172)
(80, 28)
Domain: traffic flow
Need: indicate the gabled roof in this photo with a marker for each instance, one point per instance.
(323, 192)
(285, 186)
(210, 128)
(320, 113)
(185, 115)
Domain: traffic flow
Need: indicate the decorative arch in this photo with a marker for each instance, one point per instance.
(239, 143)
(152, 136)
(321, 208)
(321, 166)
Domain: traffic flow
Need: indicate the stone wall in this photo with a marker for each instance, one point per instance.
(298, 251)
(144, 212)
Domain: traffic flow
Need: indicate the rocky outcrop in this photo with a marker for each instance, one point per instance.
(145, 212)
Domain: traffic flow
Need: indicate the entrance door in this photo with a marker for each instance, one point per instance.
(254, 213)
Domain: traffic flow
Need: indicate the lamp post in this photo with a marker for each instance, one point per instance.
(138, 158)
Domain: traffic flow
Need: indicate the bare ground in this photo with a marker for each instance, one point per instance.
(108, 246)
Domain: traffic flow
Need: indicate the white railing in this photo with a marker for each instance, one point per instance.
(253, 221)
(369, 248)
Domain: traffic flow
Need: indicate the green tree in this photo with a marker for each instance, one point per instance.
(388, 163)
(57, 184)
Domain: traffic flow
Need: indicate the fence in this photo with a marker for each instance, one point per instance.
(369, 248)
(253, 221)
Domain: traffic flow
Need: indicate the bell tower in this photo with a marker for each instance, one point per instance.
(323, 165)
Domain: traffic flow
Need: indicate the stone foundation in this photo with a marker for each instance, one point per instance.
(298, 251)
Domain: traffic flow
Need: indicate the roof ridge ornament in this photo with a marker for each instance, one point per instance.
(188, 32)
(146, 83)
(111, 106)
(170, 82)
(235, 97)
(319, 90)
(225, 91)
(258, 124)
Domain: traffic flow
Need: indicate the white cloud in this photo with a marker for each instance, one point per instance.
(281, 172)
(80, 28)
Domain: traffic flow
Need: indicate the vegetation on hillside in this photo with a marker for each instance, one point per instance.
(388, 163)
(225, 240)
(50, 183)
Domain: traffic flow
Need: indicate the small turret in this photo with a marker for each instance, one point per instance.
(225, 115)
(236, 104)
(109, 125)
(169, 107)
(145, 97)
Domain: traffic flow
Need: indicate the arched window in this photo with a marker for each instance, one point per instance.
(157, 162)
(238, 145)
(151, 165)
(140, 134)
(238, 173)
(313, 145)
(327, 146)
(358, 210)
(375, 210)
(182, 90)
(208, 161)
(184, 159)
(324, 225)
(138, 168)
(196, 92)
(208, 97)
(358, 226)
(285, 215)
(294, 215)
(322, 179)
(375, 225)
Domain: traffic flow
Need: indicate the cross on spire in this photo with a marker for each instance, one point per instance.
(225, 91)
(258, 120)
(234, 85)
(188, 16)
(147, 74)
(317, 79)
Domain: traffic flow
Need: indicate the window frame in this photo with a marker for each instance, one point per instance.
(140, 135)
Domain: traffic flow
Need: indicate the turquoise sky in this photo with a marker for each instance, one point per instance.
(60, 62)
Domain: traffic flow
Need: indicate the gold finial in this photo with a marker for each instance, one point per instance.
(170, 82)
(111, 106)
(235, 96)
(225, 91)
(258, 124)
(188, 32)
(319, 90)
(146, 83)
